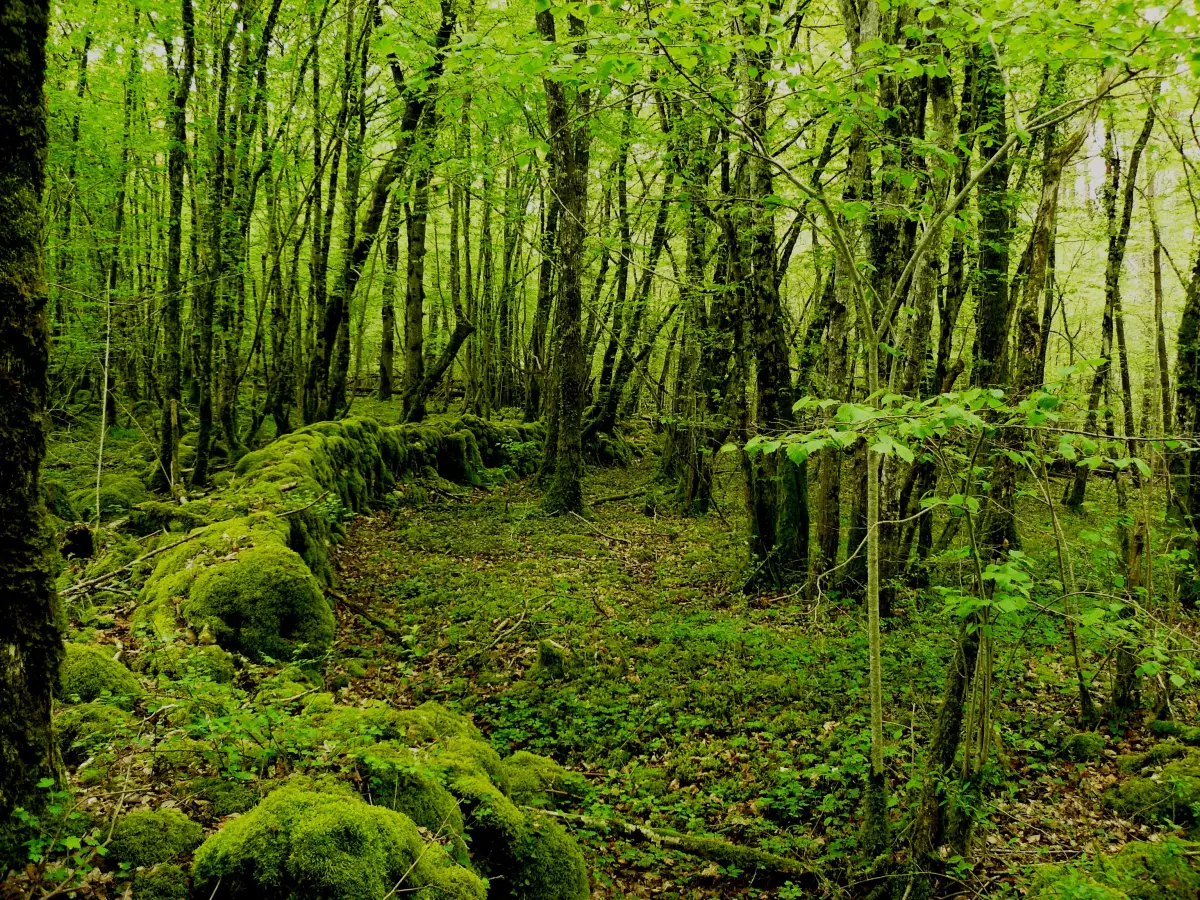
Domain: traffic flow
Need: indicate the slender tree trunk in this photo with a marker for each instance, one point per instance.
(414, 297)
(172, 310)
(387, 346)
(568, 114)
(1118, 235)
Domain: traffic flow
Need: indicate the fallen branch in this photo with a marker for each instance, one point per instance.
(611, 498)
(84, 586)
(723, 853)
(599, 532)
(390, 630)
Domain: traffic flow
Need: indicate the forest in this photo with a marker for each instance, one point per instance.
(552, 449)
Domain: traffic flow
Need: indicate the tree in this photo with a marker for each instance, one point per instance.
(31, 647)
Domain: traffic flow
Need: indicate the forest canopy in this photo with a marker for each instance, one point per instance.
(548, 449)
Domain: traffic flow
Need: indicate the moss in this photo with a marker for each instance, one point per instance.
(146, 837)
(1164, 870)
(58, 499)
(1188, 734)
(118, 495)
(299, 844)
(156, 515)
(222, 797)
(397, 780)
(179, 661)
(83, 729)
(540, 782)
(1165, 751)
(265, 604)
(1172, 794)
(90, 672)
(165, 882)
(1085, 746)
(528, 860)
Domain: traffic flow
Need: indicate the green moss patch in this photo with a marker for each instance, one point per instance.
(90, 672)
(300, 844)
(147, 837)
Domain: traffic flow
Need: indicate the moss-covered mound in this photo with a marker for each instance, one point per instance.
(83, 729)
(1086, 746)
(90, 672)
(118, 495)
(165, 882)
(1167, 870)
(299, 844)
(148, 837)
(1170, 794)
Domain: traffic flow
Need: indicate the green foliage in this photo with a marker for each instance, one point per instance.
(146, 837)
(300, 844)
(90, 672)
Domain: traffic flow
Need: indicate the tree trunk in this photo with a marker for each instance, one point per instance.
(167, 475)
(1118, 235)
(568, 116)
(414, 296)
(31, 646)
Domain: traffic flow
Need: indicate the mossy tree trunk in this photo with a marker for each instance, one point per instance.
(568, 118)
(31, 646)
(172, 309)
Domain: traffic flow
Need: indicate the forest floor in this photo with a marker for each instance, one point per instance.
(622, 647)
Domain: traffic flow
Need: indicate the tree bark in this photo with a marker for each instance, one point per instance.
(31, 647)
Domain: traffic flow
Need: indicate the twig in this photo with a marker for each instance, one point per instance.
(82, 586)
(599, 532)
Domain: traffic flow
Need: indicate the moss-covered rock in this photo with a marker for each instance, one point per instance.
(1188, 734)
(1172, 794)
(300, 844)
(1067, 883)
(1162, 752)
(1085, 746)
(395, 777)
(83, 729)
(540, 782)
(57, 497)
(147, 837)
(90, 672)
(268, 604)
(165, 882)
(118, 495)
